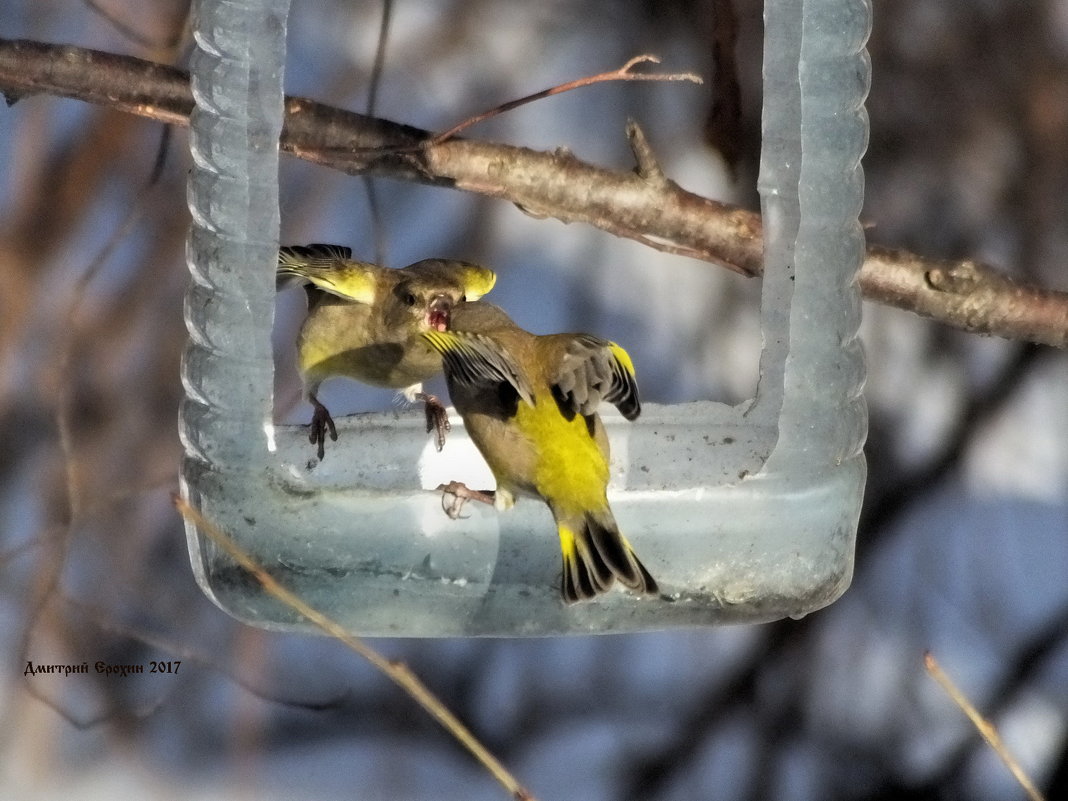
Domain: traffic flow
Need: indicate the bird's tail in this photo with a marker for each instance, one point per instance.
(596, 554)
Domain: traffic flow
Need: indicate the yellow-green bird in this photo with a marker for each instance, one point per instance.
(364, 322)
(530, 403)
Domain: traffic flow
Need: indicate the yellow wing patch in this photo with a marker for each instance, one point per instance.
(328, 268)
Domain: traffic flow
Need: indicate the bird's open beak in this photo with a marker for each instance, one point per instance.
(439, 313)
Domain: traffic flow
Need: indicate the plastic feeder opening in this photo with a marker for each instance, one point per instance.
(743, 514)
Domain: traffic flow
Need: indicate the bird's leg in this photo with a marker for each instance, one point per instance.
(321, 422)
(436, 418)
(461, 494)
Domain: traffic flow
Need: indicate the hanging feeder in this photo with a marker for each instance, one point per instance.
(743, 514)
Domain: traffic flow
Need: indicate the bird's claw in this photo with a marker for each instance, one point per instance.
(437, 419)
(461, 494)
(321, 422)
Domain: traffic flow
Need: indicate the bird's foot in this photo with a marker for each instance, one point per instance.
(437, 420)
(321, 423)
(461, 494)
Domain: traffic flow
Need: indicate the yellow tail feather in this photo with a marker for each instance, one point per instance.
(594, 555)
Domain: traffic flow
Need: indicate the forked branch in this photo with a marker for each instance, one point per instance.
(639, 205)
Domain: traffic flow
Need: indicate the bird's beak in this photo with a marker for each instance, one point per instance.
(439, 313)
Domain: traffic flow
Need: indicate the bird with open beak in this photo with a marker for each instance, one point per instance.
(364, 322)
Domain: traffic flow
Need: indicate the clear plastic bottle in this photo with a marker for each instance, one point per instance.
(743, 514)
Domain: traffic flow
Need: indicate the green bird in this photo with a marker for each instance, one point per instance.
(530, 404)
(364, 322)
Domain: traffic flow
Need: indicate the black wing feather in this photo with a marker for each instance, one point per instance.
(589, 373)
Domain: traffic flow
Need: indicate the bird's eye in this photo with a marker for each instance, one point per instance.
(409, 299)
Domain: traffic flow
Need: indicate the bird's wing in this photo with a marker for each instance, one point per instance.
(329, 268)
(476, 360)
(592, 370)
(318, 251)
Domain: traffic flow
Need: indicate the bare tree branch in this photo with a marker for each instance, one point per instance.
(648, 208)
(967, 295)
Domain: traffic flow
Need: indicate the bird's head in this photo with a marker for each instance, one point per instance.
(431, 289)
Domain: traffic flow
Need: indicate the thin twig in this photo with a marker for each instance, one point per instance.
(66, 346)
(380, 56)
(984, 726)
(168, 44)
(373, 206)
(54, 562)
(621, 74)
(396, 672)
